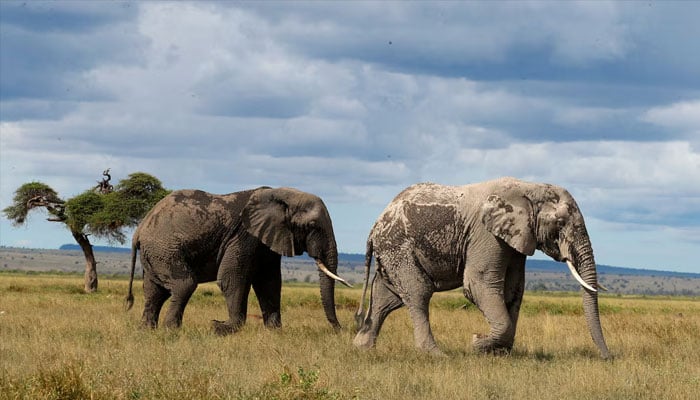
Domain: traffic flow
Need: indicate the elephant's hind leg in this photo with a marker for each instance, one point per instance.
(155, 296)
(418, 302)
(382, 301)
(415, 288)
(181, 292)
(423, 335)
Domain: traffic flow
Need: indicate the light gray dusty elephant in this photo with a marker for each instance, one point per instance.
(192, 236)
(433, 238)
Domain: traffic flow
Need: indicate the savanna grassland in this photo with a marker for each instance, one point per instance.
(58, 343)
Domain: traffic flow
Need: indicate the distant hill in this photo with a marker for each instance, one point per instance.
(553, 266)
(342, 257)
(531, 266)
(101, 249)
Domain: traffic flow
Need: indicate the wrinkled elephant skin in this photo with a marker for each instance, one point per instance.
(237, 239)
(433, 238)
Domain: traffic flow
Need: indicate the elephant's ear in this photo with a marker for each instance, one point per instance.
(266, 216)
(511, 221)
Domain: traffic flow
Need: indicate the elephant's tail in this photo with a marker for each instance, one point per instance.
(129, 301)
(359, 316)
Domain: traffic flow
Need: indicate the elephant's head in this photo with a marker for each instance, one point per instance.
(531, 216)
(291, 222)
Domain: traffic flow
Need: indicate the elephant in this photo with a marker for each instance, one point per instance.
(237, 239)
(434, 238)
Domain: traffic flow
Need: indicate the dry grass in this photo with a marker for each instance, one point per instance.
(57, 343)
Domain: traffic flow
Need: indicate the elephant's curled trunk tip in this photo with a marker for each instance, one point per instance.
(128, 302)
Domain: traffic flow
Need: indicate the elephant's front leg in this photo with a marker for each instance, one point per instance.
(234, 281)
(502, 330)
(515, 287)
(236, 295)
(267, 284)
(489, 297)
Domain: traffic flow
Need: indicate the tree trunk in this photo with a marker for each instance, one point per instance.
(90, 263)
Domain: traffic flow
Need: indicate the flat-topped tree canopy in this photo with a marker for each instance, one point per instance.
(103, 210)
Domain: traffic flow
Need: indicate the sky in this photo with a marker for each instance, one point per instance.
(354, 101)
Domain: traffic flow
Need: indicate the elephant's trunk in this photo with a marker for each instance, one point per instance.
(328, 285)
(584, 263)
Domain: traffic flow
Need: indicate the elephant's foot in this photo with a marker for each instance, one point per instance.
(363, 340)
(487, 344)
(172, 323)
(147, 327)
(435, 352)
(273, 325)
(272, 321)
(429, 346)
(222, 328)
(149, 324)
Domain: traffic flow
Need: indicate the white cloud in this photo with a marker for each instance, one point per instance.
(683, 115)
(577, 116)
(356, 101)
(584, 32)
(606, 164)
(575, 33)
(651, 183)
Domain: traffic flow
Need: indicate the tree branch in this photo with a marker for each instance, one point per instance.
(54, 206)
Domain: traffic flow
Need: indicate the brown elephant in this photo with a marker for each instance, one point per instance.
(237, 239)
(433, 238)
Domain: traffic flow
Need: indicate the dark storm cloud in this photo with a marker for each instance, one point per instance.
(65, 16)
(48, 49)
(578, 41)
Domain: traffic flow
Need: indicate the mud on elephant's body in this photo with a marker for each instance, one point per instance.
(192, 236)
(432, 238)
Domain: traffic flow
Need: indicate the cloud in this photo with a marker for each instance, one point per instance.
(355, 101)
(600, 41)
(451, 34)
(48, 48)
(683, 116)
(64, 16)
(626, 182)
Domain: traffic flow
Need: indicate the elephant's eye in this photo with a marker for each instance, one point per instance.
(561, 222)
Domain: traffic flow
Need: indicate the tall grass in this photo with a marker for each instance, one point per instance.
(58, 343)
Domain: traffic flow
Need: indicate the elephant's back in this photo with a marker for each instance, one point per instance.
(179, 205)
(191, 210)
(412, 204)
(428, 193)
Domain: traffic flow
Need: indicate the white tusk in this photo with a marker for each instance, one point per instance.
(325, 270)
(601, 287)
(578, 277)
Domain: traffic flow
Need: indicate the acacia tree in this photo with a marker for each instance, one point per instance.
(103, 211)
